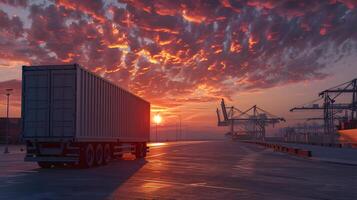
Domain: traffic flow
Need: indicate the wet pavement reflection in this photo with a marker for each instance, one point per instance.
(184, 170)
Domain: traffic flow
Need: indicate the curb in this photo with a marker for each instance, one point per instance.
(280, 148)
(300, 153)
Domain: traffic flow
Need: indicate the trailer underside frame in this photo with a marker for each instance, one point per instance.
(80, 154)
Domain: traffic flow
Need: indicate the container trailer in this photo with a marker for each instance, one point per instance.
(72, 116)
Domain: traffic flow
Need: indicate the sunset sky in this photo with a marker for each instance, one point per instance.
(184, 56)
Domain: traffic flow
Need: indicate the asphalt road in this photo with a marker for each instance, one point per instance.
(186, 170)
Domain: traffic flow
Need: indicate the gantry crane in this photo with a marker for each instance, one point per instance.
(252, 121)
(331, 108)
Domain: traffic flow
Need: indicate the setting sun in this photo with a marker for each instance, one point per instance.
(157, 119)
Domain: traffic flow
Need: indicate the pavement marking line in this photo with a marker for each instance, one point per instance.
(160, 154)
(204, 185)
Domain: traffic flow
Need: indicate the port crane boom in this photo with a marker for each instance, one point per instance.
(329, 106)
(252, 121)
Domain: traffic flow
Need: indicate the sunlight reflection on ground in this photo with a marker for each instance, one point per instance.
(156, 144)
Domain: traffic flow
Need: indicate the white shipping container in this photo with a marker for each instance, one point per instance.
(67, 102)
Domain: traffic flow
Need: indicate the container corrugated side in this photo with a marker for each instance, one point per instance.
(109, 112)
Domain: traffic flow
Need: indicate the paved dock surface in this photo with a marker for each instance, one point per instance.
(184, 170)
(329, 154)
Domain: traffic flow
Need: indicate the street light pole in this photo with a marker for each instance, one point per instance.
(7, 120)
(176, 131)
(180, 128)
(156, 132)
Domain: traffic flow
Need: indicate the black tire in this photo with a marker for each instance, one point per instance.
(99, 154)
(119, 156)
(59, 164)
(87, 156)
(139, 153)
(45, 165)
(144, 150)
(107, 154)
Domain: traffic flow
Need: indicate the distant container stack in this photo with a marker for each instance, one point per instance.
(348, 132)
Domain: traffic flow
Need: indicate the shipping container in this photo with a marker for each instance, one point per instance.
(70, 115)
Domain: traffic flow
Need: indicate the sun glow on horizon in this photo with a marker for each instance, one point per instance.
(157, 119)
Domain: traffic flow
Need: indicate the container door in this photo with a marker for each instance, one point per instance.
(36, 103)
(63, 103)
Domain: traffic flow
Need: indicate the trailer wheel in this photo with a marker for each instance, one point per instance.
(107, 154)
(99, 154)
(144, 150)
(59, 164)
(45, 165)
(87, 156)
(139, 153)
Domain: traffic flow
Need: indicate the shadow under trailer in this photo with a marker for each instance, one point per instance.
(72, 116)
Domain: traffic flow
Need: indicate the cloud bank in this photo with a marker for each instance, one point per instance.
(173, 52)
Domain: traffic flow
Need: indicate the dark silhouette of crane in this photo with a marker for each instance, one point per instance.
(330, 108)
(252, 121)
